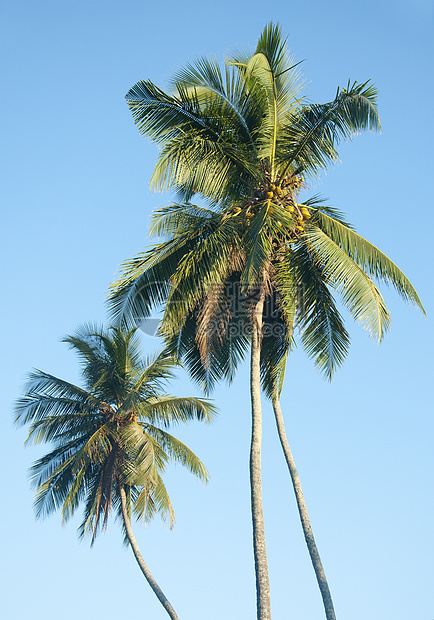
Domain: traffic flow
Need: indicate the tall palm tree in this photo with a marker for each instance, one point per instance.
(251, 262)
(110, 448)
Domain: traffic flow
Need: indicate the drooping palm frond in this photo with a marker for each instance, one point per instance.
(317, 205)
(145, 282)
(277, 342)
(178, 452)
(225, 350)
(323, 334)
(53, 428)
(359, 294)
(368, 257)
(42, 387)
(154, 500)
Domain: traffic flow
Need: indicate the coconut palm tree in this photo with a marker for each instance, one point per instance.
(252, 261)
(110, 446)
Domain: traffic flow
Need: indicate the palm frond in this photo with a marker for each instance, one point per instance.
(323, 333)
(167, 410)
(359, 294)
(178, 452)
(368, 257)
(40, 388)
(309, 137)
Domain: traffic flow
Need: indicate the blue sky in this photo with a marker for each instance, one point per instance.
(76, 203)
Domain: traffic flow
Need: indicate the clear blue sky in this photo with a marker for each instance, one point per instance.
(76, 203)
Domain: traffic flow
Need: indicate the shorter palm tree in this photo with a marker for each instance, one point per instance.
(110, 446)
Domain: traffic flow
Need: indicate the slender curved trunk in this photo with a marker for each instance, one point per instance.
(140, 561)
(304, 517)
(260, 554)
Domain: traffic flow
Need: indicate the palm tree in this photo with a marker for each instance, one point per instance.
(252, 262)
(110, 448)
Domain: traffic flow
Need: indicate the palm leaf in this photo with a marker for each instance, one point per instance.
(368, 257)
(358, 292)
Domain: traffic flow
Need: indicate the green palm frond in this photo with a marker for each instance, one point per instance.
(178, 452)
(287, 83)
(277, 342)
(167, 410)
(309, 138)
(225, 94)
(32, 407)
(153, 500)
(161, 116)
(178, 219)
(198, 272)
(259, 76)
(317, 206)
(258, 240)
(145, 283)
(143, 455)
(223, 356)
(57, 427)
(368, 257)
(193, 163)
(38, 410)
(359, 294)
(52, 476)
(323, 334)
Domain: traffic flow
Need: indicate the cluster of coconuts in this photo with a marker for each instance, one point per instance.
(301, 213)
(111, 416)
(281, 194)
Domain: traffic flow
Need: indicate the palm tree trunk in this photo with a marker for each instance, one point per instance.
(260, 554)
(304, 517)
(140, 561)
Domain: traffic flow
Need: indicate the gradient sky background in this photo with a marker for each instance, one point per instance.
(76, 203)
